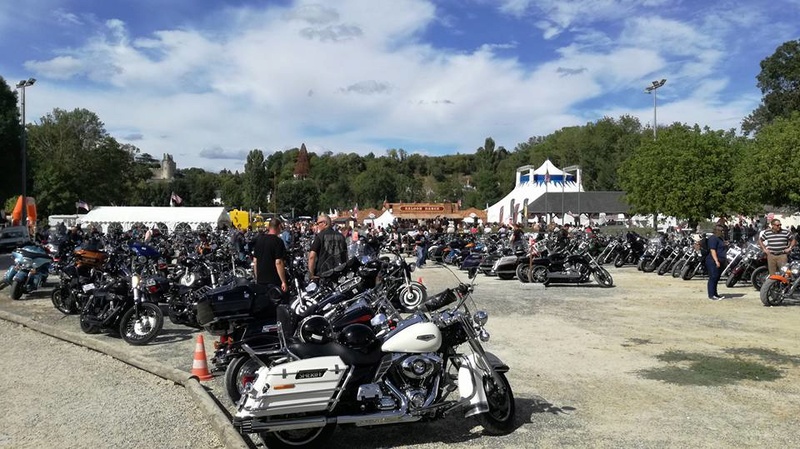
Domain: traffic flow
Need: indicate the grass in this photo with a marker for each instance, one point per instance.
(692, 368)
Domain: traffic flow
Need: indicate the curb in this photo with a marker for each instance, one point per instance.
(202, 398)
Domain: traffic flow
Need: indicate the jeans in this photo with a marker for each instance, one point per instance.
(420, 256)
(714, 273)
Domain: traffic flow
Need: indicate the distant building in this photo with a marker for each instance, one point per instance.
(166, 171)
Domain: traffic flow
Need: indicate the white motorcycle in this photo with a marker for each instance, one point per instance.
(408, 374)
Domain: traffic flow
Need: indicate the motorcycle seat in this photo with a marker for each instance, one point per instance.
(348, 356)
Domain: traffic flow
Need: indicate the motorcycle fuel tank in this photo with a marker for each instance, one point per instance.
(415, 338)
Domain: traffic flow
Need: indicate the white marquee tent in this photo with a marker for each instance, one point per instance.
(166, 218)
(530, 185)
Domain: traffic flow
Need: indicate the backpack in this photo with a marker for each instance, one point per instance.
(704, 247)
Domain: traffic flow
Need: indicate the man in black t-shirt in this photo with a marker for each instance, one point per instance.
(328, 250)
(268, 254)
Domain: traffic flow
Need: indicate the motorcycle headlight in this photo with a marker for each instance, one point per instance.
(785, 268)
(480, 318)
(795, 271)
(412, 266)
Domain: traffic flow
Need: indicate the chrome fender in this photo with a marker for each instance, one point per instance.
(470, 381)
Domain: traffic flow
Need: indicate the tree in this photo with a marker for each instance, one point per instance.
(298, 196)
(10, 143)
(779, 82)
(256, 182)
(769, 170)
(687, 173)
(73, 157)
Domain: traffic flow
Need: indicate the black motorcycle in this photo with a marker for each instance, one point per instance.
(577, 268)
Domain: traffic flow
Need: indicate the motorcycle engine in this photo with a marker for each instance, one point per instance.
(419, 380)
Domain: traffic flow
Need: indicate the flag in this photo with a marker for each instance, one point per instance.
(459, 203)
(175, 199)
(82, 205)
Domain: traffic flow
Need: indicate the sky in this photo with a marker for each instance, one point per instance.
(209, 80)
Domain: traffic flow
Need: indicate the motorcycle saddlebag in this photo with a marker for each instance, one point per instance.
(93, 259)
(234, 302)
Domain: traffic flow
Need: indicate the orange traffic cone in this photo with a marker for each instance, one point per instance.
(199, 365)
(420, 280)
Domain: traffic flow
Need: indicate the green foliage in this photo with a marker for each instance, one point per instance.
(10, 143)
(779, 81)
(687, 173)
(298, 196)
(256, 183)
(769, 172)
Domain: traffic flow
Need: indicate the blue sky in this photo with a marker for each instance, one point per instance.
(210, 80)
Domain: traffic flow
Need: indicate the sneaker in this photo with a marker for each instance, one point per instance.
(715, 298)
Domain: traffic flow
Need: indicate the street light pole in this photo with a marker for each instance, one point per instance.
(577, 169)
(21, 86)
(652, 89)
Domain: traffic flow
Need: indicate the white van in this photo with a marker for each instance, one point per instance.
(13, 236)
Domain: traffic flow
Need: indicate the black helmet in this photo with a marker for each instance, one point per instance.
(357, 336)
(315, 329)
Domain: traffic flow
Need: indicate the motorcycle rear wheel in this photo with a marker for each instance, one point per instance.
(88, 328)
(240, 372)
(143, 329)
(523, 273)
(61, 301)
(772, 293)
(603, 278)
(301, 438)
(16, 290)
(499, 420)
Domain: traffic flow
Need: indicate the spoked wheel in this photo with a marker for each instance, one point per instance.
(305, 438)
(538, 274)
(772, 292)
(238, 377)
(62, 302)
(499, 420)
(603, 277)
(523, 273)
(759, 276)
(140, 329)
(412, 296)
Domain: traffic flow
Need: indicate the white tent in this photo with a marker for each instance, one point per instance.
(163, 217)
(530, 185)
(386, 219)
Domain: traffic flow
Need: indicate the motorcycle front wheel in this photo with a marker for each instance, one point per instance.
(603, 277)
(142, 329)
(687, 272)
(523, 273)
(61, 301)
(733, 279)
(301, 438)
(676, 269)
(772, 293)
(759, 276)
(499, 420)
(16, 290)
(412, 296)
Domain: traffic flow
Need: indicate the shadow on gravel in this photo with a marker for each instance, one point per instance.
(692, 368)
(574, 285)
(173, 335)
(450, 430)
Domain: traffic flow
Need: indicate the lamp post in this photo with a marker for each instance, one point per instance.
(21, 86)
(577, 170)
(652, 89)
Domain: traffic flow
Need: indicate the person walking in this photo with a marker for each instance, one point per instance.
(269, 253)
(328, 249)
(776, 243)
(715, 260)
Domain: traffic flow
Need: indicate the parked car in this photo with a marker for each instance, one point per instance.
(12, 237)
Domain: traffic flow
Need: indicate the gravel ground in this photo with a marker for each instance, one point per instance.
(56, 394)
(589, 367)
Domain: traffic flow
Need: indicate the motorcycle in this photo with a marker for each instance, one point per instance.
(781, 285)
(576, 268)
(404, 292)
(29, 271)
(752, 258)
(361, 379)
(120, 305)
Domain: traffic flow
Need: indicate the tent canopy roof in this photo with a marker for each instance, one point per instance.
(594, 202)
(166, 215)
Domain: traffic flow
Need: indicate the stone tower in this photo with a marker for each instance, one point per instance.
(302, 167)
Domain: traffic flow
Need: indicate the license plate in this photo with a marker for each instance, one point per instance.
(88, 287)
